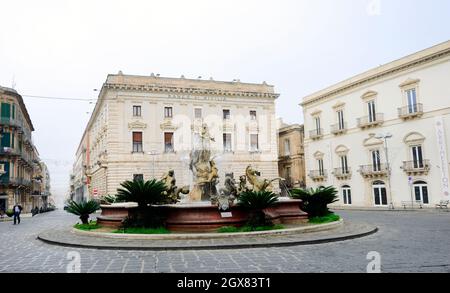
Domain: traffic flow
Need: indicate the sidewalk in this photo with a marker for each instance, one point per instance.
(8, 219)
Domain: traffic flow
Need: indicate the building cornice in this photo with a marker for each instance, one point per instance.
(188, 91)
(395, 67)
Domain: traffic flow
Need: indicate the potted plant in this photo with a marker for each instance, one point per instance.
(83, 209)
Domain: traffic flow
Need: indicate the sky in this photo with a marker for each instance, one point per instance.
(65, 49)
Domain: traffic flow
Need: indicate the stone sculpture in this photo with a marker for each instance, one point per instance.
(172, 192)
(258, 183)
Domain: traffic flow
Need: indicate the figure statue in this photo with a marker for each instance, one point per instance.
(258, 183)
(172, 192)
(227, 195)
(242, 184)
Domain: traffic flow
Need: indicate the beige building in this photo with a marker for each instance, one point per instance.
(382, 137)
(143, 126)
(19, 159)
(291, 156)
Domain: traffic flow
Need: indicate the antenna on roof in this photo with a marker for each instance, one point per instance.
(13, 82)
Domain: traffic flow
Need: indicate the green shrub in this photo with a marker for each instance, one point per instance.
(316, 201)
(249, 229)
(108, 199)
(87, 227)
(326, 219)
(83, 209)
(9, 213)
(160, 230)
(255, 203)
(144, 193)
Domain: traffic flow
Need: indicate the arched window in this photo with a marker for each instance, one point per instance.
(347, 195)
(379, 193)
(421, 192)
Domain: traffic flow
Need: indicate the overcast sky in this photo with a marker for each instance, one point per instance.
(66, 48)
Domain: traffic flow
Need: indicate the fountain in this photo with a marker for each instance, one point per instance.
(207, 208)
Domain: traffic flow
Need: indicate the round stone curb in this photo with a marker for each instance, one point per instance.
(199, 236)
(346, 231)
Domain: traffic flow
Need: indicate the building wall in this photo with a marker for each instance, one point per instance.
(430, 80)
(294, 159)
(111, 160)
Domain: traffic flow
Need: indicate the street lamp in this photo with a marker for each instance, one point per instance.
(386, 151)
(153, 154)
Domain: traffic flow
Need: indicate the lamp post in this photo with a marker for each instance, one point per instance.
(386, 151)
(153, 154)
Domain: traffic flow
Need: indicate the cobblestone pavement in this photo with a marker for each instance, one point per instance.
(407, 242)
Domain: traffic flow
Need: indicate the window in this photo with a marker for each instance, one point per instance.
(421, 192)
(344, 165)
(137, 111)
(287, 147)
(372, 111)
(340, 115)
(253, 115)
(138, 177)
(320, 166)
(317, 124)
(347, 195)
(417, 156)
(379, 193)
(137, 142)
(227, 143)
(376, 161)
(198, 113)
(168, 112)
(254, 143)
(168, 142)
(226, 114)
(411, 96)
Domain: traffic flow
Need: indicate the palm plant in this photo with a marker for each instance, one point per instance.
(144, 193)
(256, 202)
(108, 199)
(316, 201)
(82, 209)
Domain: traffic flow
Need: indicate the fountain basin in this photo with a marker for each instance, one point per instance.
(203, 217)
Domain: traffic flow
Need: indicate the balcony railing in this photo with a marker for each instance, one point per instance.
(6, 181)
(11, 122)
(369, 121)
(338, 129)
(410, 111)
(318, 175)
(316, 133)
(417, 167)
(370, 171)
(341, 173)
(6, 151)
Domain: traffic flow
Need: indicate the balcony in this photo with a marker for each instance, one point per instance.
(342, 174)
(6, 181)
(374, 171)
(316, 134)
(337, 129)
(411, 111)
(318, 175)
(417, 167)
(11, 122)
(368, 121)
(7, 151)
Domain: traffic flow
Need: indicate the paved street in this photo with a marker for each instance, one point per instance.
(407, 242)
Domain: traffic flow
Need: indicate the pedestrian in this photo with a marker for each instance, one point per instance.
(17, 210)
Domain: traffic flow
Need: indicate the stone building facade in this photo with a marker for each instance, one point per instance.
(291, 156)
(144, 126)
(382, 137)
(19, 159)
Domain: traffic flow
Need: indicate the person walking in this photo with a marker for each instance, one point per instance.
(17, 211)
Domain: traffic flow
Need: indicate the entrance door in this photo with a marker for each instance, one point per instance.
(2, 204)
(347, 195)
(421, 192)
(380, 194)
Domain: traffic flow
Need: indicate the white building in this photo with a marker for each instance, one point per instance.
(144, 126)
(408, 101)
